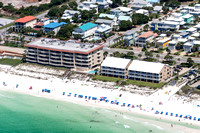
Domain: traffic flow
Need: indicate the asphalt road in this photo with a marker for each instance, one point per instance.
(182, 58)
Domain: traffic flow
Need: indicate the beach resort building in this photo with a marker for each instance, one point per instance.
(70, 54)
(115, 67)
(149, 71)
(25, 22)
(11, 53)
(142, 39)
(85, 30)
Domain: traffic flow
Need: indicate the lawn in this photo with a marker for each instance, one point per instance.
(6, 26)
(147, 84)
(106, 79)
(12, 62)
(133, 82)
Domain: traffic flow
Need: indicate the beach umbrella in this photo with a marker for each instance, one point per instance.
(198, 119)
(129, 105)
(112, 102)
(89, 97)
(181, 116)
(117, 103)
(186, 117)
(176, 115)
(124, 104)
(171, 114)
(190, 117)
(157, 112)
(75, 95)
(195, 118)
(161, 112)
(107, 100)
(166, 113)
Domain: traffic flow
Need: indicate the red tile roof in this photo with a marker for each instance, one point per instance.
(39, 24)
(25, 19)
(147, 34)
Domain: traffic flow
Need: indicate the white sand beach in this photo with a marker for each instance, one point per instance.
(127, 98)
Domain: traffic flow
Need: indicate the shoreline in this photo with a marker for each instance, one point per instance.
(85, 87)
(160, 118)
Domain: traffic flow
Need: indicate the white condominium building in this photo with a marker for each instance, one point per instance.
(69, 54)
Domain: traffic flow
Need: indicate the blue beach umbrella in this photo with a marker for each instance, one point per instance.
(195, 118)
(166, 113)
(171, 114)
(129, 105)
(176, 115)
(190, 117)
(181, 116)
(161, 112)
(198, 119)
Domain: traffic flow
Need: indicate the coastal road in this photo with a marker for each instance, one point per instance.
(162, 55)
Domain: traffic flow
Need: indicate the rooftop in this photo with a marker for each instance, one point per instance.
(116, 62)
(144, 66)
(148, 34)
(104, 21)
(107, 15)
(54, 25)
(164, 40)
(126, 18)
(103, 28)
(125, 9)
(25, 19)
(65, 46)
(87, 26)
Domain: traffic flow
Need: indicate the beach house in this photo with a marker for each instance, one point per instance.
(188, 46)
(88, 6)
(85, 30)
(11, 53)
(142, 39)
(149, 71)
(25, 22)
(129, 37)
(69, 14)
(70, 54)
(139, 4)
(105, 21)
(103, 30)
(163, 43)
(53, 27)
(115, 67)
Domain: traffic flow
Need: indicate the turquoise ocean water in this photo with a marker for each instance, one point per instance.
(21, 113)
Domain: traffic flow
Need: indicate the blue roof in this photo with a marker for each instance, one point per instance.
(54, 25)
(87, 26)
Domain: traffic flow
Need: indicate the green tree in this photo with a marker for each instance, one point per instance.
(190, 61)
(138, 19)
(105, 53)
(65, 31)
(73, 5)
(148, 54)
(125, 25)
(1, 4)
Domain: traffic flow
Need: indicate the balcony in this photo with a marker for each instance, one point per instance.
(31, 60)
(32, 57)
(42, 51)
(43, 62)
(43, 55)
(43, 59)
(30, 53)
